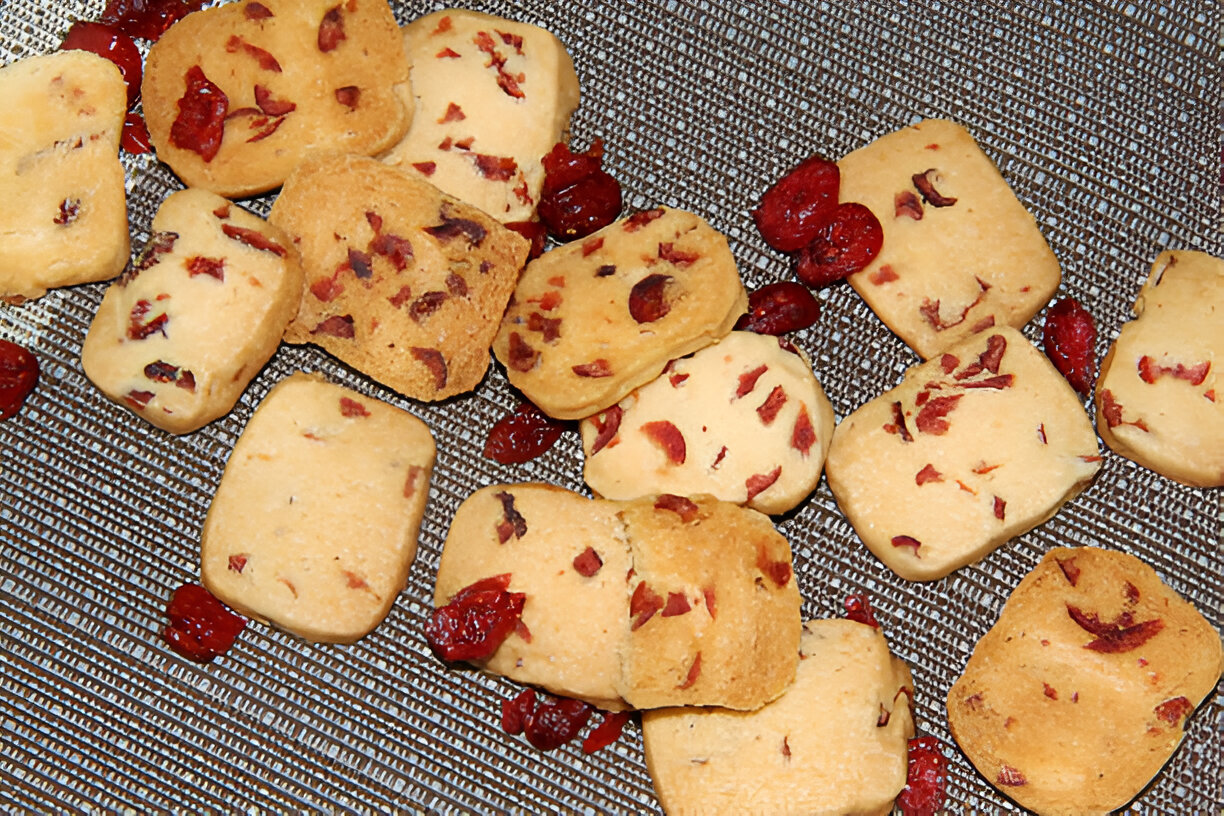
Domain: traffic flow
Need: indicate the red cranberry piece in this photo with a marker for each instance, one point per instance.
(923, 794)
(533, 231)
(522, 435)
(845, 243)
(135, 136)
(793, 210)
(200, 124)
(18, 376)
(555, 722)
(147, 19)
(858, 608)
(778, 308)
(476, 621)
(607, 732)
(109, 42)
(200, 627)
(1069, 337)
(516, 711)
(578, 196)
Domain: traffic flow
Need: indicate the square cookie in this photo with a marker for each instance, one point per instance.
(970, 450)
(314, 525)
(1156, 400)
(960, 253)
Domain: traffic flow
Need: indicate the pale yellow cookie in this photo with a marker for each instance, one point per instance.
(1156, 400)
(744, 420)
(594, 319)
(314, 524)
(973, 448)
(493, 96)
(180, 335)
(279, 79)
(63, 208)
(834, 743)
(960, 253)
(1079, 694)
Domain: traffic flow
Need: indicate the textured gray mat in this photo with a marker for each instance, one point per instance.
(1105, 117)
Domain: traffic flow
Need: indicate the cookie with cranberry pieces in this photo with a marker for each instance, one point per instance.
(594, 319)
(237, 95)
(960, 252)
(182, 332)
(63, 207)
(492, 98)
(315, 522)
(848, 707)
(973, 448)
(744, 420)
(1156, 398)
(403, 282)
(1080, 692)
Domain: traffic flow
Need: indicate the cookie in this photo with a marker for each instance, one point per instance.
(492, 97)
(849, 708)
(182, 332)
(973, 448)
(594, 319)
(659, 601)
(960, 253)
(235, 96)
(63, 207)
(314, 525)
(743, 420)
(1156, 400)
(403, 282)
(1079, 694)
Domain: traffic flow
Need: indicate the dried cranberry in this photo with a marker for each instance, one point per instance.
(555, 722)
(923, 794)
(516, 711)
(18, 376)
(793, 210)
(578, 196)
(858, 608)
(135, 138)
(111, 43)
(533, 231)
(200, 124)
(648, 300)
(607, 732)
(147, 19)
(522, 435)
(1069, 337)
(778, 308)
(476, 620)
(845, 243)
(200, 627)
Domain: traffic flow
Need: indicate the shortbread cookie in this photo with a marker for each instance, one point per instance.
(314, 524)
(63, 209)
(594, 319)
(1080, 692)
(659, 601)
(1156, 400)
(744, 420)
(492, 98)
(971, 449)
(180, 335)
(235, 96)
(835, 743)
(403, 282)
(961, 253)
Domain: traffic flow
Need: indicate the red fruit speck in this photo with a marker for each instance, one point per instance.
(858, 608)
(1069, 337)
(111, 43)
(607, 732)
(200, 627)
(200, 124)
(478, 618)
(555, 722)
(778, 308)
(578, 196)
(923, 794)
(848, 240)
(516, 711)
(522, 435)
(18, 375)
(792, 211)
(135, 138)
(147, 19)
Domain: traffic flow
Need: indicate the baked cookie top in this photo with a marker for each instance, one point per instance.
(236, 95)
(1156, 400)
(63, 207)
(492, 98)
(1079, 693)
(960, 253)
(594, 319)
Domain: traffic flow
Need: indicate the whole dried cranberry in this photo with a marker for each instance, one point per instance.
(858, 608)
(18, 376)
(1069, 337)
(200, 627)
(200, 124)
(555, 722)
(516, 711)
(845, 243)
(607, 732)
(578, 196)
(111, 43)
(147, 19)
(778, 308)
(792, 211)
(533, 231)
(476, 621)
(135, 137)
(522, 435)
(923, 794)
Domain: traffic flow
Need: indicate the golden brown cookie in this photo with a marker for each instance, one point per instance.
(403, 282)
